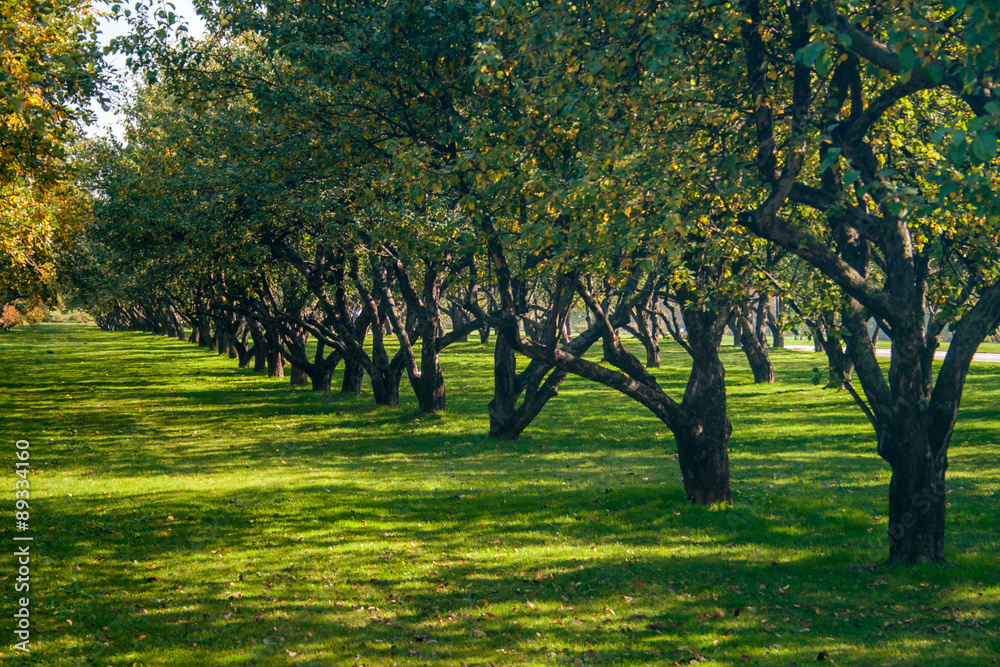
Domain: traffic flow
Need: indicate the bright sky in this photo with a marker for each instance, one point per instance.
(108, 120)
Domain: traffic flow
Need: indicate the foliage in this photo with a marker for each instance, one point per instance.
(50, 68)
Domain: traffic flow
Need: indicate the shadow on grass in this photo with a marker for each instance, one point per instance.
(218, 517)
(416, 576)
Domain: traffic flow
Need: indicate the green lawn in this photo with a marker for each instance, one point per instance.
(189, 513)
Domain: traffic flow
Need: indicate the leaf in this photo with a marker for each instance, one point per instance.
(984, 147)
(478, 633)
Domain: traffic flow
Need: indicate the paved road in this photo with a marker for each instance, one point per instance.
(987, 357)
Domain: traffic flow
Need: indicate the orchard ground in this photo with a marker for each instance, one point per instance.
(186, 512)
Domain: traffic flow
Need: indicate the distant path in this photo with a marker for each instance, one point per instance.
(985, 357)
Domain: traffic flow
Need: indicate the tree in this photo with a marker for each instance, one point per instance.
(890, 134)
(50, 68)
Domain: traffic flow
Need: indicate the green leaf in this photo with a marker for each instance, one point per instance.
(984, 147)
(907, 56)
(956, 154)
(809, 53)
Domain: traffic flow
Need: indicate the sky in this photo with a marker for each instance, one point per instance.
(108, 120)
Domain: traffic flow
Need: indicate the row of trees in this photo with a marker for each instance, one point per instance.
(351, 172)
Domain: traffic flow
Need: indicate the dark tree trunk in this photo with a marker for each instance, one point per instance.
(648, 336)
(539, 382)
(276, 365)
(484, 335)
(354, 375)
(248, 355)
(916, 495)
(756, 353)
(501, 408)
(652, 353)
(213, 340)
(259, 349)
(734, 326)
(385, 382)
(429, 387)
(321, 370)
(826, 339)
(430, 394)
(773, 323)
(840, 364)
(703, 438)
(322, 378)
(459, 318)
(204, 334)
(535, 398)
(298, 377)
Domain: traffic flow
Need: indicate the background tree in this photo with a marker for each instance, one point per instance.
(50, 68)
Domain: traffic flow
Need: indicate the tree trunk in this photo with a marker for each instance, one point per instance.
(322, 378)
(321, 370)
(539, 382)
(431, 395)
(773, 319)
(385, 383)
(916, 495)
(354, 375)
(841, 366)
(459, 319)
(647, 335)
(703, 441)
(275, 363)
(501, 408)
(260, 359)
(298, 377)
(429, 387)
(204, 334)
(247, 356)
(756, 354)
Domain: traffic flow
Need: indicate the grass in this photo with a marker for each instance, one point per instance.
(186, 512)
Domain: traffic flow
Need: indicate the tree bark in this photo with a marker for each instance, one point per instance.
(275, 363)
(298, 376)
(756, 353)
(501, 408)
(703, 436)
(916, 493)
(773, 323)
(354, 375)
